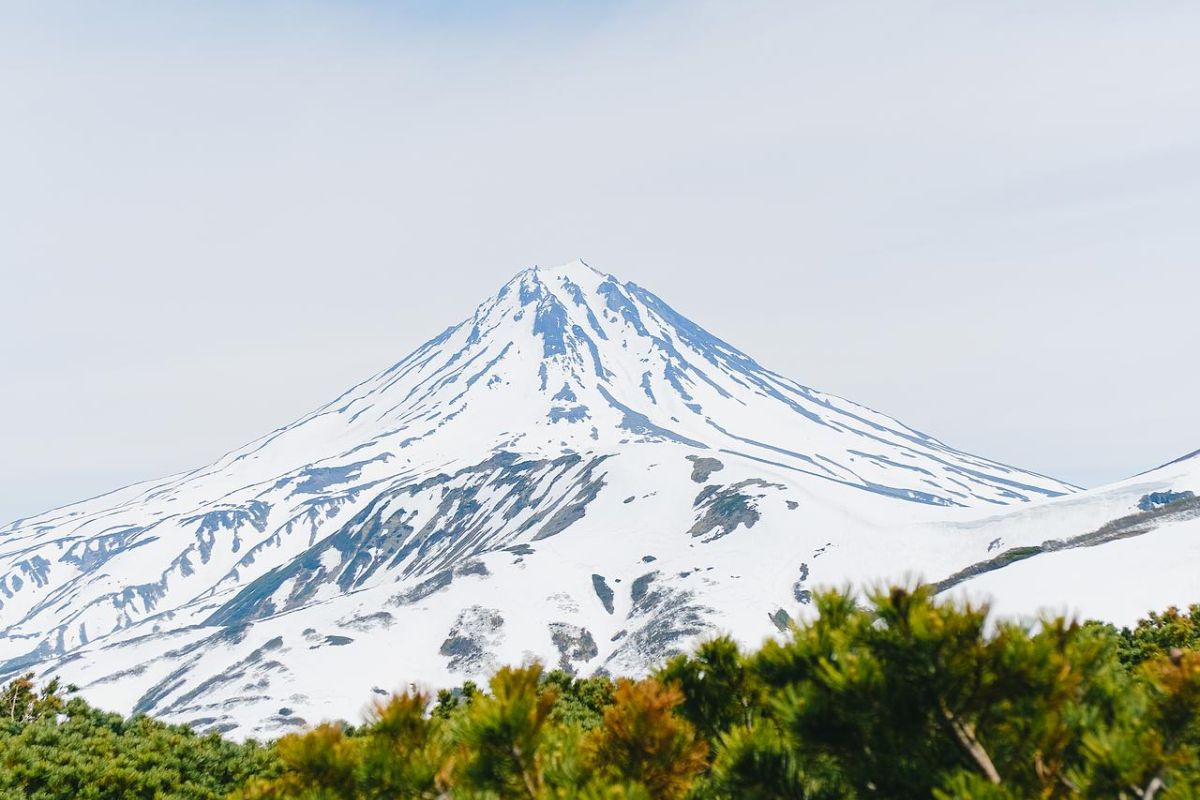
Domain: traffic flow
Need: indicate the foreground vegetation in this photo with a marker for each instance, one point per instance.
(906, 697)
(54, 746)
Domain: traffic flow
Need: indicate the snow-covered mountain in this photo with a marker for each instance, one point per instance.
(575, 473)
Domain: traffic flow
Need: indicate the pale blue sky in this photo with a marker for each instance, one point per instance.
(976, 217)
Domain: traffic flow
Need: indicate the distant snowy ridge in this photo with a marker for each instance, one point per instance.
(576, 472)
(1114, 552)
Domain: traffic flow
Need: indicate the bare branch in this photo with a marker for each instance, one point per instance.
(964, 734)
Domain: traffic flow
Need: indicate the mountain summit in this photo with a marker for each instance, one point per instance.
(576, 472)
(571, 360)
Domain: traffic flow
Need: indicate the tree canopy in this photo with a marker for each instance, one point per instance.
(904, 695)
(54, 746)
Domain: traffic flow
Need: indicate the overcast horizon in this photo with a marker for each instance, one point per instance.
(980, 220)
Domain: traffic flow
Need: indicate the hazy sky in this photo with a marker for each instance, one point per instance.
(981, 218)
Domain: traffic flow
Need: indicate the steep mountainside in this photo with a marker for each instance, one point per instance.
(575, 473)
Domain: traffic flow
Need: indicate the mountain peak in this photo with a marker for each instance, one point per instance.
(577, 268)
(573, 273)
(570, 359)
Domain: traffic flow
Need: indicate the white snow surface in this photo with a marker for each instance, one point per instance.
(577, 474)
(1151, 562)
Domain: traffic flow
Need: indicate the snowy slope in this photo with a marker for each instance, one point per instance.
(575, 473)
(1112, 553)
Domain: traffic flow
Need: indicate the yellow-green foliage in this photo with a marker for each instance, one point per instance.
(643, 743)
(504, 743)
(904, 696)
(1155, 635)
(54, 748)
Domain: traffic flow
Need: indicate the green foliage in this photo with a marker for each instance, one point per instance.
(719, 689)
(52, 748)
(506, 741)
(400, 753)
(449, 700)
(21, 702)
(580, 701)
(530, 736)
(642, 742)
(904, 696)
(912, 698)
(1157, 634)
(756, 762)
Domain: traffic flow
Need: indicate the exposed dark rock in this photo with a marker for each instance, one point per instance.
(423, 589)
(1155, 500)
(703, 467)
(587, 489)
(603, 591)
(725, 508)
(574, 644)
(474, 506)
(666, 620)
(569, 413)
(312, 480)
(200, 722)
(250, 666)
(640, 586)
(476, 631)
(471, 567)
(88, 554)
(803, 596)
(337, 641)
(367, 622)
(288, 722)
